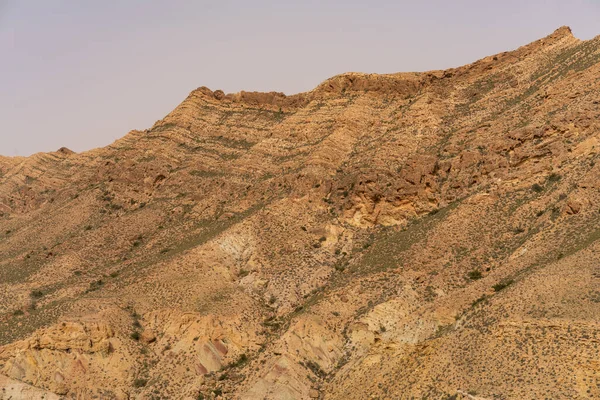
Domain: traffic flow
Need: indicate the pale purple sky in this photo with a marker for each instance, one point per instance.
(81, 74)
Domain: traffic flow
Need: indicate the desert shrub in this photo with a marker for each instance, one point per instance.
(140, 382)
(243, 359)
(315, 368)
(475, 274)
(36, 294)
(502, 285)
(135, 336)
(554, 177)
(479, 300)
(95, 285)
(243, 273)
(537, 188)
(339, 266)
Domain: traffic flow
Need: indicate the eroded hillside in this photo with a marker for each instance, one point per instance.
(415, 235)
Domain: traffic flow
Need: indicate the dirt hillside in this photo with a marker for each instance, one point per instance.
(428, 235)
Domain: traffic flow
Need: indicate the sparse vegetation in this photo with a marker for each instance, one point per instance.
(474, 275)
(140, 382)
(375, 210)
(243, 273)
(479, 301)
(502, 285)
(554, 177)
(315, 368)
(95, 285)
(537, 188)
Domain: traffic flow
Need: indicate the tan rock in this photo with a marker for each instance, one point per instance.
(147, 336)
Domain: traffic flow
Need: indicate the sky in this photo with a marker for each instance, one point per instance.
(82, 74)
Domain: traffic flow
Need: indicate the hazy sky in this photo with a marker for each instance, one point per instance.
(83, 73)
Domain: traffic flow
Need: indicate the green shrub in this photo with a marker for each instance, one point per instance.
(140, 382)
(243, 273)
(537, 188)
(479, 300)
(554, 177)
(223, 377)
(243, 359)
(502, 285)
(475, 274)
(315, 368)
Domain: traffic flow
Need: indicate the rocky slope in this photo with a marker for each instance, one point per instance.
(415, 235)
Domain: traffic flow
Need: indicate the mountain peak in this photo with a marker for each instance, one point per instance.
(561, 33)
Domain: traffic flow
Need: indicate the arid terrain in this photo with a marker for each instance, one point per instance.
(428, 235)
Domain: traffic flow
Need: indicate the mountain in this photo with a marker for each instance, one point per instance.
(428, 235)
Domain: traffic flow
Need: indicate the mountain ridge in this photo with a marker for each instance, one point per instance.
(411, 235)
